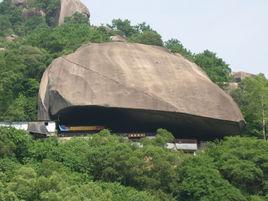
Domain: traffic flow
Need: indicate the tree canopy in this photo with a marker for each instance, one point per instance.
(108, 167)
(252, 97)
(141, 33)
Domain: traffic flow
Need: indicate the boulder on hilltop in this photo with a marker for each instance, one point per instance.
(133, 86)
(70, 7)
(65, 8)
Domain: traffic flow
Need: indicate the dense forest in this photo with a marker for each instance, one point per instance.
(106, 166)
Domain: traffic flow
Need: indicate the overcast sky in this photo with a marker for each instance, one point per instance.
(237, 30)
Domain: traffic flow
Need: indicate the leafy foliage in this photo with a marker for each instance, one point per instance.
(252, 97)
(30, 184)
(66, 38)
(148, 38)
(199, 180)
(14, 143)
(242, 161)
(50, 7)
(141, 33)
(21, 70)
(77, 18)
(215, 67)
(123, 28)
(21, 20)
(109, 167)
(175, 46)
(110, 158)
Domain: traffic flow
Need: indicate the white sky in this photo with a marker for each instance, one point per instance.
(237, 30)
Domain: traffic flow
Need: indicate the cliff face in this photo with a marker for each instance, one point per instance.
(70, 7)
(147, 80)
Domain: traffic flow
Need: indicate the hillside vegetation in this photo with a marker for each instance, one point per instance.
(108, 167)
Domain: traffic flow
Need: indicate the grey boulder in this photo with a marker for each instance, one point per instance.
(134, 87)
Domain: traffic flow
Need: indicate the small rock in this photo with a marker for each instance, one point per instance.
(118, 38)
(239, 76)
(27, 13)
(19, 2)
(11, 37)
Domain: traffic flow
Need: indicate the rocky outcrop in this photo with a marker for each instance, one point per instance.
(11, 37)
(70, 7)
(127, 85)
(19, 2)
(239, 76)
(118, 38)
(31, 12)
(67, 8)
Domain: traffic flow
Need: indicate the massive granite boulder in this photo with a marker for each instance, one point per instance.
(135, 87)
(70, 7)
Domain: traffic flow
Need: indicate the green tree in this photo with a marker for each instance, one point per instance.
(243, 162)
(232, 169)
(23, 183)
(16, 110)
(21, 72)
(123, 27)
(77, 18)
(5, 26)
(218, 71)
(66, 38)
(33, 23)
(148, 38)
(175, 46)
(50, 7)
(14, 143)
(162, 137)
(141, 33)
(252, 97)
(200, 180)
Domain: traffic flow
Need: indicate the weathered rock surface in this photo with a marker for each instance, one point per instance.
(67, 8)
(11, 37)
(239, 76)
(70, 7)
(118, 38)
(19, 2)
(31, 12)
(127, 85)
